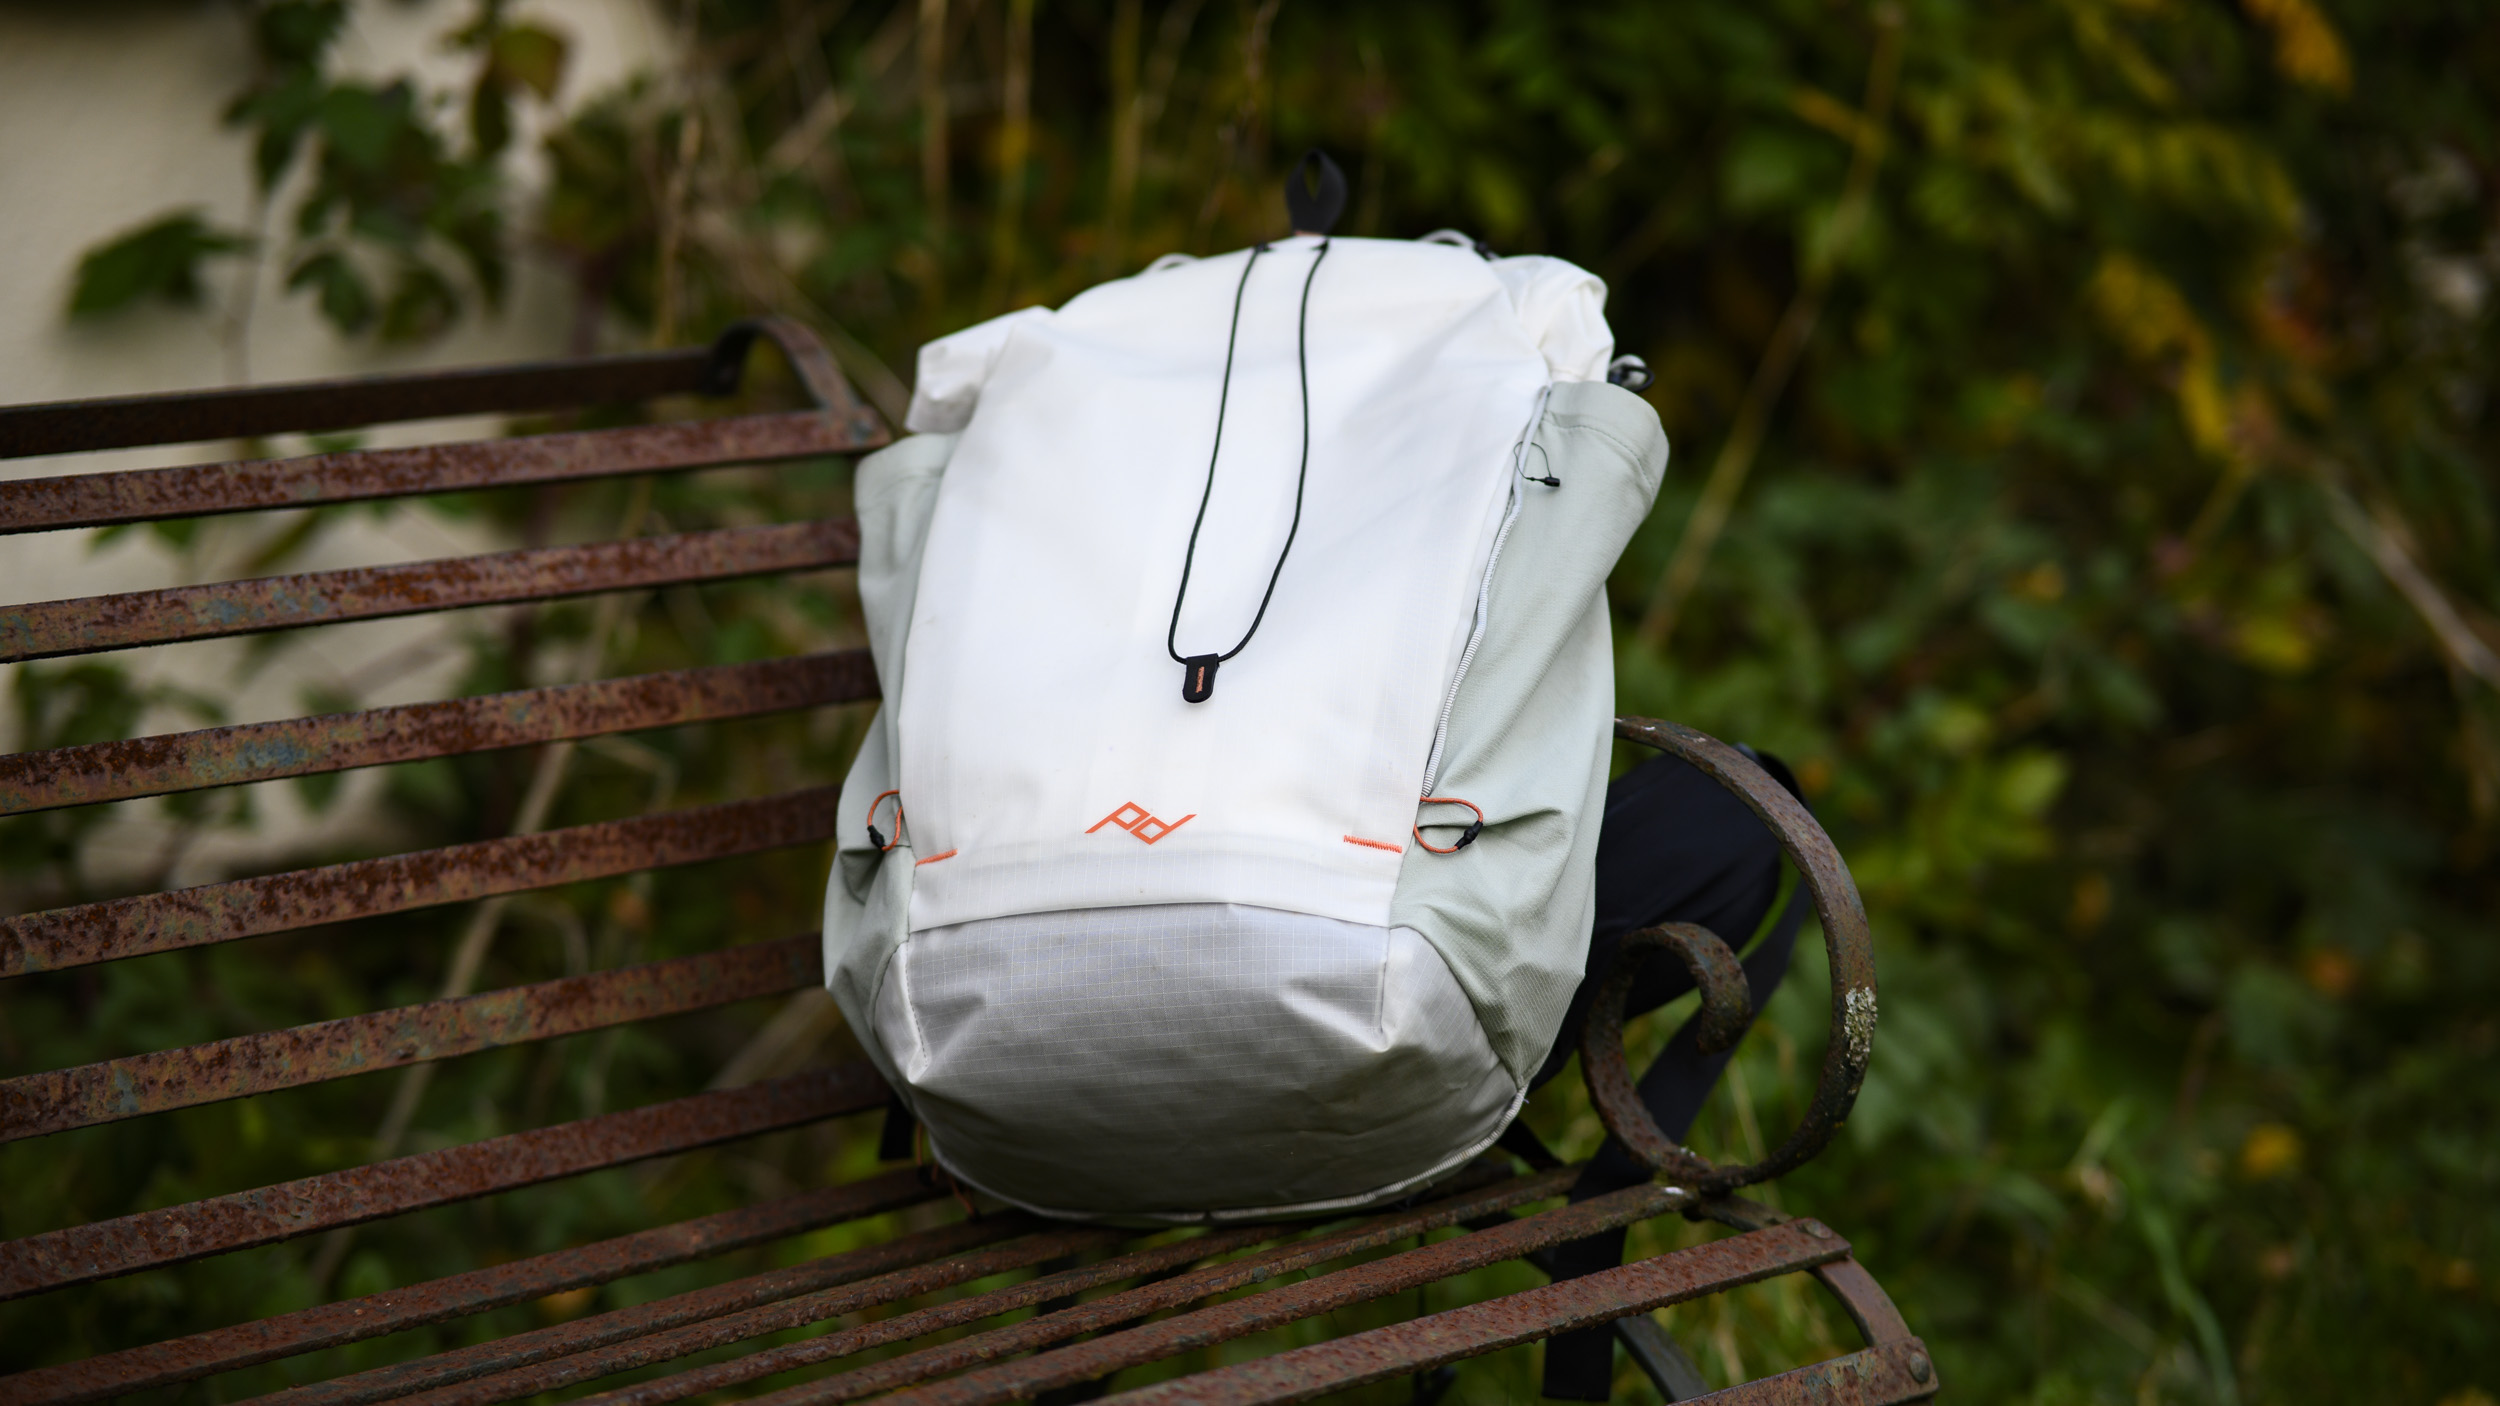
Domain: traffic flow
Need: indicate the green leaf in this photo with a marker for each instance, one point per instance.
(63, 705)
(1773, 168)
(2029, 781)
(157, 260)
(312, 218)
(422, 305)
(476, 229)
(363, 125)
(283, 110)
(529, 57)
(177, 533)
(318, 790)
(386, 225)
(325, 700)
(482, 27)
(298, 32)
(490, 116)
(345, 299)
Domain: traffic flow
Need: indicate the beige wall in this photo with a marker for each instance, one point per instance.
(109, 118)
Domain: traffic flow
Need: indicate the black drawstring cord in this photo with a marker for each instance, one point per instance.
(1198, 670)
(1549, 480)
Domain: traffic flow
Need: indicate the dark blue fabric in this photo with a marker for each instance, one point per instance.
(1674, 847)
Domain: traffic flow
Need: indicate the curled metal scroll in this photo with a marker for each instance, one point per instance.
(1845, 940)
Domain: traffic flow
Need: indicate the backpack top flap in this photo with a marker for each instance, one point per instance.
(1048, 758)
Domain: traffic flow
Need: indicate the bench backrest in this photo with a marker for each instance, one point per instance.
(941, 1252)
(34, 1105)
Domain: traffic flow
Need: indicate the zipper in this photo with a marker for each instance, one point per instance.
(1484, 589)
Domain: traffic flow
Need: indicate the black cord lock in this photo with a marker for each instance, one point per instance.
(1198, 677)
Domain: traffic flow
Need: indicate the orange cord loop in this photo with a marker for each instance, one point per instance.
(1474, 827)
(881, 842)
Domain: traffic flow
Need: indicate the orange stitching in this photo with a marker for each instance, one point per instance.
(932, 859)
(1137, 825)
(1444, 801)
(898, 817)
(1375, 844)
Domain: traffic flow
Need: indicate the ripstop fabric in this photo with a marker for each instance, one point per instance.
(1134, 956)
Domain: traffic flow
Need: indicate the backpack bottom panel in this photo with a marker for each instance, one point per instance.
(1190, 1061)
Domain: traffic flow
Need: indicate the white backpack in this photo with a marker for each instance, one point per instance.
(1224, 845)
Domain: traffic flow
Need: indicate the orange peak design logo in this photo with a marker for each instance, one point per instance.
(1133, 818)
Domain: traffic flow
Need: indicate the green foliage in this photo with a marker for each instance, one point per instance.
(2118, 570)
(64, 705)
(160, 259)
(516, 58)
(396, 226)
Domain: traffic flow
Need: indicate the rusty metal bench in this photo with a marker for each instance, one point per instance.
(965, 1303)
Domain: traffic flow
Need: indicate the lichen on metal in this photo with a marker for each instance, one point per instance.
(1847, 944)
(115, 928)
(87, 625)
(228, 756)
(109, 1090)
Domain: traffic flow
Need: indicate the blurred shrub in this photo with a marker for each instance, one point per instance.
(2096, 401)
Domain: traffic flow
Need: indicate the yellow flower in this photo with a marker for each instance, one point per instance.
(2271, 1150)
(2306, 47)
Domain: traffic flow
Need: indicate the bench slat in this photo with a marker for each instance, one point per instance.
(211, 913)
(230, 756)
(245, 485)
(1420, 1344)
(303, 407)
(925, 1260)
(1160, 1261)
(150, 1239)
(537, 1361)
(113, 1089)
(476, 1291)
(83, 626)
(1119, 1345)
(1158, 1292)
